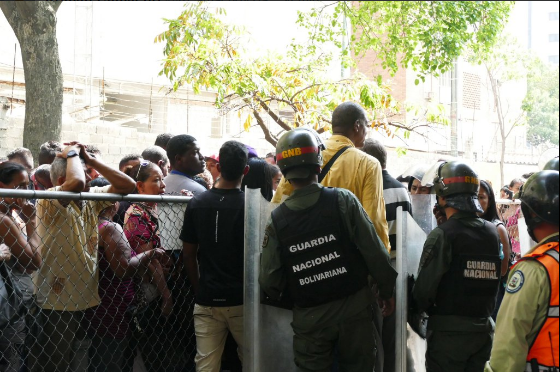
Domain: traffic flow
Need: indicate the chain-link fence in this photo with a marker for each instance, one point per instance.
(94, 282)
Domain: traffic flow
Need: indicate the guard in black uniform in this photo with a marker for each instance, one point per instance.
(318, 250)
(459, 276)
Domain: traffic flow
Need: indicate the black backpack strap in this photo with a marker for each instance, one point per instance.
(330, 201)
(328, 166)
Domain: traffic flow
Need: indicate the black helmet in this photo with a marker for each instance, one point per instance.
(298, 153)
(539, 199)
(459, 184)
(552, 164)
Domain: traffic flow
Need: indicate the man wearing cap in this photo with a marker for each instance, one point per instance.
(212, 166)
(527, 336)
(318, 250)
(458, 276)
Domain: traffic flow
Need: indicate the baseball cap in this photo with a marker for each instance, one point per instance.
(252, 153)
(213, 157)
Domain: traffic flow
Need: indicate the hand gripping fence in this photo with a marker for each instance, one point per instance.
(93, 301)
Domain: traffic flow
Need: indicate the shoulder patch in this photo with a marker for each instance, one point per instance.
(265, 240)
(516, 282)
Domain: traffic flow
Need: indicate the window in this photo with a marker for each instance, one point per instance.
(216, 127)
(471, 91)
(553, 16)
(553, 59)
(553, 38)
(445, 79)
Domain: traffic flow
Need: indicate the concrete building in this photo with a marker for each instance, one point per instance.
(542, 30)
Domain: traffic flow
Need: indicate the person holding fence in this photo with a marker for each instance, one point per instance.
(19, 242)
(67, 282)
(110, 322)
(141, 227)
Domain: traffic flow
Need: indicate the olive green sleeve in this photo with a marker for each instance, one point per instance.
(272, 277)
(434, 263)
(362, 232)
(522, 313)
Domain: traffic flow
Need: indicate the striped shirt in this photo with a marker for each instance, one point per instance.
(395, 195)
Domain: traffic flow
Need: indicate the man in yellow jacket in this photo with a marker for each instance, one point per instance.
(354, 170)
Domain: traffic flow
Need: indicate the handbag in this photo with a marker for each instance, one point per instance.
(137, 310)
(12, 306)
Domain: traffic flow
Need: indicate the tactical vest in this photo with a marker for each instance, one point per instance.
(322, 264)
(470, 286)
(544, 350)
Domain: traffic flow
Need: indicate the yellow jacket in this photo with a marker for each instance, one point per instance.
(356, 171)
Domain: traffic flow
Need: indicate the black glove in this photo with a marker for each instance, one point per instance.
(418, 320)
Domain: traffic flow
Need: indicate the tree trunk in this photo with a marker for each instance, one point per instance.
(502, 161)
(34, 24)
(501, 121)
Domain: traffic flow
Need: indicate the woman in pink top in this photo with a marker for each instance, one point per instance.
(141, 227)
(110, 322)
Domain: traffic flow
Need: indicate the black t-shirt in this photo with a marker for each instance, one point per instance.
(215, 221)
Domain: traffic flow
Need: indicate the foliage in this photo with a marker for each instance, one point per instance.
(541, 104)
(507, 63)
(204, 52)
(426, 36)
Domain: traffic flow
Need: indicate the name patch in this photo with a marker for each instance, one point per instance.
(291, 152)
(312, 243)
(480, 270)
(296, 152)
(317, 261)
(323, 276)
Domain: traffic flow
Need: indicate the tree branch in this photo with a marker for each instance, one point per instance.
(267, 135)
(274, 117)
(515, 123)
(55, 5)
(280, 86)
(303, 90)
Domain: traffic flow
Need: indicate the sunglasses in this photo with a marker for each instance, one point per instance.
(142, 165)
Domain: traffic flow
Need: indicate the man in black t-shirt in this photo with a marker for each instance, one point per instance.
(213, 251)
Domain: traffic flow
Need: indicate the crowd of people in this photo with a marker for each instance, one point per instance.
(96, 285)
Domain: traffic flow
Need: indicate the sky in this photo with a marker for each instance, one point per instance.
(120, 35)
